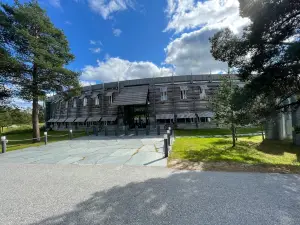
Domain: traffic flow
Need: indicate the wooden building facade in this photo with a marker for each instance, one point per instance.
(180, 101)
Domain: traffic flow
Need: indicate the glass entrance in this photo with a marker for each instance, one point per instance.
(136, 115)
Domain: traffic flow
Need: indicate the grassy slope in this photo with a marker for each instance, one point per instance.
(24, 132)
(248, 150)
(198, 132)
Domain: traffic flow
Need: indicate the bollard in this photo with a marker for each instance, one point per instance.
(158, 130)
(168, 136)
(105, 131)
(126, 130)
(166, 146)
(3, 143)
(117, 131)
(70, 134)
(170, 129)
(147, 130)
(46, 137)
(136, 130)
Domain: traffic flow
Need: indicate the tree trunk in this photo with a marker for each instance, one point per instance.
(35, 120)
(262, 133)
(35, 106)
(233, 135)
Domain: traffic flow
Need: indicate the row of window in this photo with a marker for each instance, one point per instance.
(163, 97)
(84, 103)
(186, 120)
(183, 95)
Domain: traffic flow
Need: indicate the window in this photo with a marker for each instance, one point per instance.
(67, 104)
(74, 103)
(202, 119)
(183, 94)
(97, 100)
(180, 120)
(164, 93)
(110, 99)
(84, 101)
(202, 92)
(205, 119)
(163, 96)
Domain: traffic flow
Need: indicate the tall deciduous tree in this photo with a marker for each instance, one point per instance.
(267, 53)
(41, 50)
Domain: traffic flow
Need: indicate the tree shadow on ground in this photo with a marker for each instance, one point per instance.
(192, 198)
(276, 147)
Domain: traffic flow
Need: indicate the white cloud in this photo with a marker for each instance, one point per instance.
(114, 69)
(197, 21)
(84, 83)
(191, 14)
(107, 7)
(23, 103)
(95, 50)
(67, 22)
(96, 42)
(117, 32)
(55, 3)
(191, 53)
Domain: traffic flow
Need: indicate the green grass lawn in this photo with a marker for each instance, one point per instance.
(22, 134)
(215, 131)
(249, 150)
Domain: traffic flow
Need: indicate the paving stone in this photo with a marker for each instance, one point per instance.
(124, 152)
(114, 160)
(143, 158)
(147, 148)
(92, 150)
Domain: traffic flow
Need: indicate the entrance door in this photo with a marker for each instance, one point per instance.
(136, 115)
(129, 115)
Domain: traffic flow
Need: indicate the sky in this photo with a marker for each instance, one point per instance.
(129, 39)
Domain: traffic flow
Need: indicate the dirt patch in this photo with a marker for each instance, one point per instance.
(232, 167)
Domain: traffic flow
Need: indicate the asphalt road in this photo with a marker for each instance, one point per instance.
(112, 195)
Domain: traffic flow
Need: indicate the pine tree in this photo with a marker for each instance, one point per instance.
(223, 105)
(267, 53)
(41, 51)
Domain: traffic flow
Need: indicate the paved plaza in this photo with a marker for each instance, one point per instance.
(92, 150)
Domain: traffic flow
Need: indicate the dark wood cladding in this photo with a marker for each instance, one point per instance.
(173, 105)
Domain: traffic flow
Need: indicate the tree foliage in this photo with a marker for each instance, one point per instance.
(223, 105)
(267, 53)
(38, 53)
(12, 115)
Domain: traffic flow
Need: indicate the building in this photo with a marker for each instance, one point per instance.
(163, 101)
(285, 124)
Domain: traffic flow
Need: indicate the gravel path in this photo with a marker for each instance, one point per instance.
(113, 195)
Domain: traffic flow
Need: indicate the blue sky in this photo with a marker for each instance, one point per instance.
(129, 39)
(141, 37)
